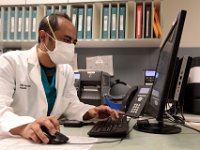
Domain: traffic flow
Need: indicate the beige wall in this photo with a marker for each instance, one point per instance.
(191, 32)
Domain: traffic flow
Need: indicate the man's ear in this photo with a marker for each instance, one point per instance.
(42, 36)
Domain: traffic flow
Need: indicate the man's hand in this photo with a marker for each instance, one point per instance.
(102, 112)
(33, 130)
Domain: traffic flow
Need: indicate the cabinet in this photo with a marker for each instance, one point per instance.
(105, 23)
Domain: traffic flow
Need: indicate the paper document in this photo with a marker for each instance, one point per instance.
(75, 143)
(100, 63)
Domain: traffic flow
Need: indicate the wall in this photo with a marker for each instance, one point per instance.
(191, 32)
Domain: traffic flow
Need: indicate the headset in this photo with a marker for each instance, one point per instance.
(117, 97)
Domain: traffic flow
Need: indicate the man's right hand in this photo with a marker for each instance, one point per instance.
(33, 130)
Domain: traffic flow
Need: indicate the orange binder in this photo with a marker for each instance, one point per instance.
(156, 25)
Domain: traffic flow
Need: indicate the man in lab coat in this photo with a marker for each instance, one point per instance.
(37, 85)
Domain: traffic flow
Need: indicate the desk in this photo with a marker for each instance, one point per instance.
(188, 139)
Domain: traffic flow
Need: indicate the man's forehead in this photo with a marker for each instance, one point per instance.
(66, 28)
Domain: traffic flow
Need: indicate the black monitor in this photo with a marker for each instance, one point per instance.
(161, 86)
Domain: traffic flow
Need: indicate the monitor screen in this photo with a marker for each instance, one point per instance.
(164, 76)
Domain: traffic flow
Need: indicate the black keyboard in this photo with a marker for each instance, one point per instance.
(110, 128)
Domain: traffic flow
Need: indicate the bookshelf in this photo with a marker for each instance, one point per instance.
(105, 23)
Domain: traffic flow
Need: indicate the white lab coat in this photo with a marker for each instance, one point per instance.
(22, 96)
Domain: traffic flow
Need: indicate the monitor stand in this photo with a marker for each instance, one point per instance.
(156, 128)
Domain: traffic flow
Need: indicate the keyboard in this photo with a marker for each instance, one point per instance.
(110, 128)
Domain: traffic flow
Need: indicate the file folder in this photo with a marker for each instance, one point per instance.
(80, 23)
(122, 22)
(148, 22)
(113, 26)
(48, 10)
(89, 23)
(26, 23)
(139, 17)
(74, 16)
(19, 24)
(34, 23)
(105, 22)
(12, 23)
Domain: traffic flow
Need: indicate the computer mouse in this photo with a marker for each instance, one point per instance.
(58, 138)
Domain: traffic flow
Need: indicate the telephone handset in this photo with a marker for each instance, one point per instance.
(136, 100)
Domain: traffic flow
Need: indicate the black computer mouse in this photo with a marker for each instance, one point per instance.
(58, 138)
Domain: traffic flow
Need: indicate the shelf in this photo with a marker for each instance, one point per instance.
(103, 23)
(90, 43)
(118, 43)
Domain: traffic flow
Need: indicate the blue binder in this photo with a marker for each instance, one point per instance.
(12, 23)
(74, 16)
(19, 24)
(64, 9)
(113, 27)
(105, 22)
(89, 23)
(5, 24)
(80, 23)
(56, 9)
(34, 23)
(26, 26)
(48, 10)
(122, 21)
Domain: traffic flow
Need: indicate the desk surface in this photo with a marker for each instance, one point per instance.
(187, 139)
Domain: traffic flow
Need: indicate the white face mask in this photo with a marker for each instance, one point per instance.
(63, 53)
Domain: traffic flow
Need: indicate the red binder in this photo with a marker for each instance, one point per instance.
(139, 17)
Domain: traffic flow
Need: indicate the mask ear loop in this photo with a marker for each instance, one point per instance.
(50, 28)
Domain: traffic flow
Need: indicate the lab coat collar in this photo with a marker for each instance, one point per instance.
(34, 71)
(35, 75)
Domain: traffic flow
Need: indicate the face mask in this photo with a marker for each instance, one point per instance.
(63, 53)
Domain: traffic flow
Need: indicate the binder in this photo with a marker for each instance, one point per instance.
(19, 24)
(64, 9)
(48, 10)
(12, 23)
(26, 24)
(80, 23)
(74, 16)
(156, 25)
(5, 24)
(147, 23)
(89, 23)
(139, 17)
(56, 9)
(113, 27)
(34, 23)
(105, 22)
(122, 21)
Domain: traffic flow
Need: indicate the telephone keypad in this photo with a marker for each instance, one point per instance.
(135, 108)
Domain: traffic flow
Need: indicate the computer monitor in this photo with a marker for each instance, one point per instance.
(161, 86)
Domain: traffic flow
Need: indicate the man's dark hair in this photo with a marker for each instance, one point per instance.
(53, 20)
